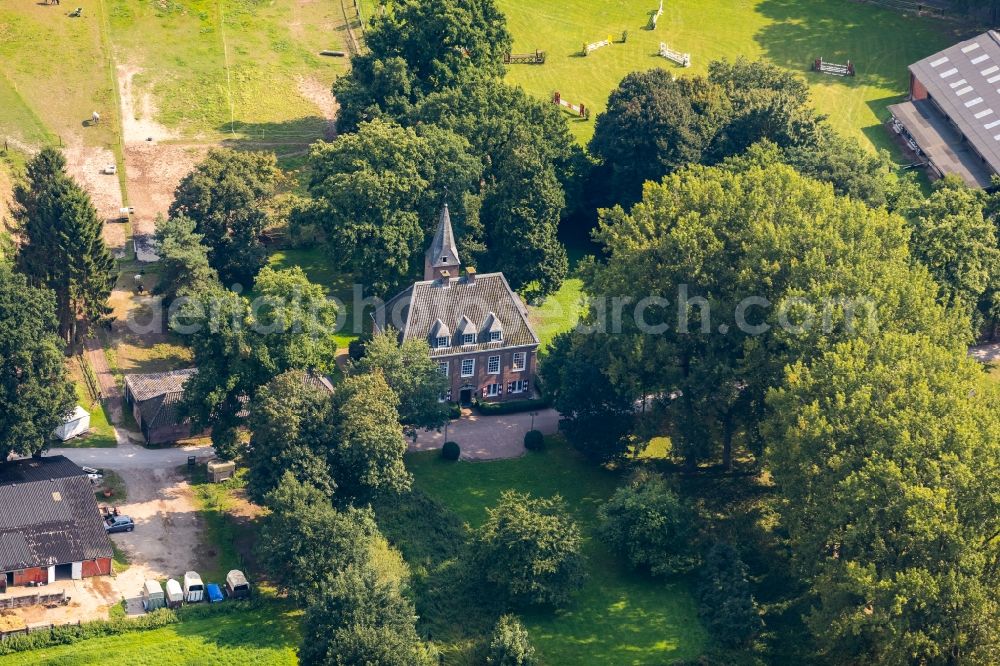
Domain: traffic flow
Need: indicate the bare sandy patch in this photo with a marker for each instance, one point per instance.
(319, 94)
(139, 110)
(85, 164)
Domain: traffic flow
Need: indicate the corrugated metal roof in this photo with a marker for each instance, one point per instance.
(964, 81)
(144, 387)
(48, 515)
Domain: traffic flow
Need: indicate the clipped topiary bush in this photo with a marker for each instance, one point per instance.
(451, 451)
(534, 440)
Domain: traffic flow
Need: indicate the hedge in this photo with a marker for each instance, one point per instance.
(512, 406)
(451, 451)
(72, 633)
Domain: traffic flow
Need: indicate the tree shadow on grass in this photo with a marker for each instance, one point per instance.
(279, 137)
(802, 30)
(269, 624)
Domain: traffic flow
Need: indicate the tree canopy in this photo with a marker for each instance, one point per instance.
(62, 242)
(184, 264)
(35, 395)
(228, 195)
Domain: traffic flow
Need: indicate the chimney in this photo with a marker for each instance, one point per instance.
(470, 275)
(445, 279)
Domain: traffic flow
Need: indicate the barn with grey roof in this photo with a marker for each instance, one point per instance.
(951, 119)
(50, 526)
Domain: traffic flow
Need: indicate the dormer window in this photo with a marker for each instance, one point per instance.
(469, 339)
(496, 336)
(493, 328)
(468, 331)
(440, 335)
(441, 342)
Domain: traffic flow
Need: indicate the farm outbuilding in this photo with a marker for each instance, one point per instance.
(154, 399)
(74, 425)
(951, 120)
(50, 527)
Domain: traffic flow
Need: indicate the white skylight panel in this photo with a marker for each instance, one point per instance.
(963, 91)
(993, 79)
(939, 61)
(996, 137)
(972, 102)
(960, 82)
(977, 60)
(971, 47)
(951, 72)
(991, 125)
(990, 70)
(983, 114)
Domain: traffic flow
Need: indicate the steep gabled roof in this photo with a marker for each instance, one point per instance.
(48, 515)
(416, 310)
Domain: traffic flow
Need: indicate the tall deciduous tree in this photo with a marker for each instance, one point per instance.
(34, 393)
(291, 425)
(183, 261)
(377, 192)
(957, 242)
(886, 452)
(305, 541)
(412, 375)
(725, 601)
(229, 195)
(531, 549)
(359, 619)
(817, 268)
(62, 243)
(239, 347)
(418, 47)
(369, 445)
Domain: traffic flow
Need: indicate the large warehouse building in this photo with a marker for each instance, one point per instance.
(952, 117)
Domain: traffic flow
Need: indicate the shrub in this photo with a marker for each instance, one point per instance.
(534, 440)
(725, 601)
(531, 549)
(649, 524)
(356, 348)
(454, 411)
(512, 406)
(451, 451)
(510, 645)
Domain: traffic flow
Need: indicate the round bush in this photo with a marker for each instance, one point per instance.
(451, 451)
(534, 440)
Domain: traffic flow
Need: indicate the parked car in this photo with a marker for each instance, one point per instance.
(95, 475)
(214, 593)
(119, 524)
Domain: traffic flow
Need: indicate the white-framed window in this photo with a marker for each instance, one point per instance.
(520, 360)
(469, 339)
(468, 367)
(520, 386)
(493, 365)
(496, 336)
(441, 342)
(443, 367)
(493, 390)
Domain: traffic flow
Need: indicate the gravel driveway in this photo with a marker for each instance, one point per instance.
(489, 437)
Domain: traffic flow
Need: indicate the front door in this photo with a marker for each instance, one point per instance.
(465, 397)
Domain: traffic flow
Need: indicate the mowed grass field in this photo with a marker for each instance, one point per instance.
(789, 33)
(268, 635)
(620, 617)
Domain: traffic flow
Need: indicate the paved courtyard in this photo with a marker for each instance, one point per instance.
(489, 437)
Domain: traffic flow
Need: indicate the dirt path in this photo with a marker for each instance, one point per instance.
(110, 393)
(165, 542)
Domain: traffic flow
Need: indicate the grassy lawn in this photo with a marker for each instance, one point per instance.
(789, 33)
(319, 268)
(54, 73)
(620, 617)
(102, 434)
(267, 635)
(217, 67)
(229, 533)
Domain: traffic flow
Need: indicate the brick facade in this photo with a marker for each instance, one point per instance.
(917, 89)
(482, 378)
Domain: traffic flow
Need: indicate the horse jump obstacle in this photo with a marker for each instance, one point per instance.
(656, 16)
(683, 59)
(587, 48)
(833, 68)
(578, 110)
(536, 58)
